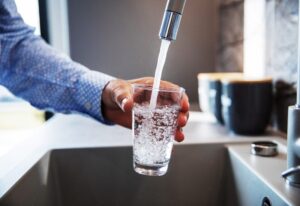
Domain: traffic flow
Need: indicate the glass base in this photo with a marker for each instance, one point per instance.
(150, 170)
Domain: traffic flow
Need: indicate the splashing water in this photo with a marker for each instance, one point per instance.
(159, 68)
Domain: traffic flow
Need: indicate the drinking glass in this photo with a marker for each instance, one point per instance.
(154, 128)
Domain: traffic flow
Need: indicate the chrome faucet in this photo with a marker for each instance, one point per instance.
(171, 20)
(292, 174)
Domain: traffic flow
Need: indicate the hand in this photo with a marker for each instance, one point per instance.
(117, 103)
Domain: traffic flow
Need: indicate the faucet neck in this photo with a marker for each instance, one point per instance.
(293, 153)
(171, 20)
(176, 6)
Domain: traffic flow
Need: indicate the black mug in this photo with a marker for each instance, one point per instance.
(247, 105)
(210, 91)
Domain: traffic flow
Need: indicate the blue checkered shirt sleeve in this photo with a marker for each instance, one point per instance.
(36, 72)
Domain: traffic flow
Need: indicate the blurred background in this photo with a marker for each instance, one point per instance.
(121, 38)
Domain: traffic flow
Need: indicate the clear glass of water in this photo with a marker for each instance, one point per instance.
(154, 128)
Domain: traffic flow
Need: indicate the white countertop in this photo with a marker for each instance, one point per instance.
(75, 131)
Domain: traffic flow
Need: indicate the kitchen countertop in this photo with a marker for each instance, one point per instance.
(76, 131)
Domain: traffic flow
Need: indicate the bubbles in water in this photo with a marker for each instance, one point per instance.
(154, 131)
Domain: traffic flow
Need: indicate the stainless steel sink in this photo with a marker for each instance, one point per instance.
(199, 174)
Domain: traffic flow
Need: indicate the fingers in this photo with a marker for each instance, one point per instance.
(185, 105)
(182, 119)
(127, 106)
(179, 136)
(184, 112)
(121, 95)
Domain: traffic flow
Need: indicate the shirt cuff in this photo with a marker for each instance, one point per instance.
(89, 92)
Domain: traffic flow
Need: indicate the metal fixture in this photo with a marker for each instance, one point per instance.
(288, 174)
(292, 175)
(264, 148)
(171, 20)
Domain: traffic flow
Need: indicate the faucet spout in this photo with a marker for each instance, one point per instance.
(292, 175)
(171, 20)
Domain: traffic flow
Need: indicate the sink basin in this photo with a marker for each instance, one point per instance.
(199, 174)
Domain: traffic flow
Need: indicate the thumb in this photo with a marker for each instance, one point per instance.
(122, 97)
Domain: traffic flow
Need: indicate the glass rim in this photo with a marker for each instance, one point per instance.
(161, 89)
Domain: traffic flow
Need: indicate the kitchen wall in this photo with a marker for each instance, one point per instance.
(121, 38)
(281, 39)
(281, 36)
(231, 35)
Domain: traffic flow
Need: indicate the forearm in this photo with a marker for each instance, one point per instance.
(46, 78)
(49, 80)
